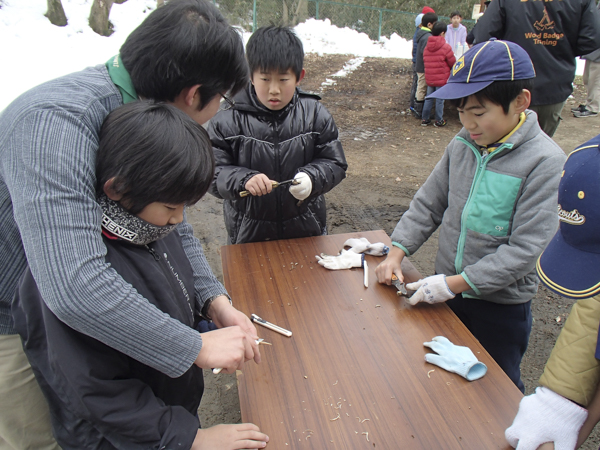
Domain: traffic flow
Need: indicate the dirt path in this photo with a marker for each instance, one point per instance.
(389, 155)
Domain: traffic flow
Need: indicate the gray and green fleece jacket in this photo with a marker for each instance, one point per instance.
(496, 212)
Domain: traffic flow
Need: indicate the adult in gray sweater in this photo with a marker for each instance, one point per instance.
(185, 54)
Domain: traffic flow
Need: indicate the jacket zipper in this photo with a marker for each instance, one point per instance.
(483, 160)
(175, 284)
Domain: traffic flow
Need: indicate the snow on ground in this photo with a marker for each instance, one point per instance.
(33, 50)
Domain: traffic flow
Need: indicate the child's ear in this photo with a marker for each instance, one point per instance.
(109, 190)
(522, 101)
(302, 73)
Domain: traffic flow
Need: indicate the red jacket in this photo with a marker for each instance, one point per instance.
(439, 59)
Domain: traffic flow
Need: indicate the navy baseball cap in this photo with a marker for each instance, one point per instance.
(569, 265)
(483, 64)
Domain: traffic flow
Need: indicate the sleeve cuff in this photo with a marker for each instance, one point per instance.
(401, 247)
(466, 278)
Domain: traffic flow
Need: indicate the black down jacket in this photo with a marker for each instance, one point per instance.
(100, 398)
(249, 139)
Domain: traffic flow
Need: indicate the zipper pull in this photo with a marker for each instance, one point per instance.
(153, 253)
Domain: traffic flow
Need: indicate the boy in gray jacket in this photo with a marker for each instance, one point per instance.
(494, 196)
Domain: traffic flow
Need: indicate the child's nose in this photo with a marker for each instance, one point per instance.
(274, 88)
(177, 216)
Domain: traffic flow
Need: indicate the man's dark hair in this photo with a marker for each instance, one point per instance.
(181, 44)
(500, 93)
(156, 153)
(438, 28)
(455, 13)
(275, 48)
(429, 18)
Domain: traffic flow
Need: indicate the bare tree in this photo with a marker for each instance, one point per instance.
(56, 13)
(99, 16)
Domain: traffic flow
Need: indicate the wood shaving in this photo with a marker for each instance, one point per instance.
(432, 370)
(363, 421)
(335, 418)
(366, 433)
(336, 382)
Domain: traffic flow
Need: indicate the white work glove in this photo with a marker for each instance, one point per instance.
(543, 417)
(432, 289)
(345, 260)
(454, 358)
(362, 245)
(304, 187)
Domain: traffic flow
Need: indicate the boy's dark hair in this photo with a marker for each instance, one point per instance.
(181, 44)
(438, 28)
(156, 153)
(455, 13)
(429, 18)
(275, 48)
(500, 93)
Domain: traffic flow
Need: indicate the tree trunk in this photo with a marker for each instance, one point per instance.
(301, 13)
(56, 13)
(99, 16)
(285, 20)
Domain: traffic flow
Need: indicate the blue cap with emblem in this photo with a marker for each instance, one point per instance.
(483, 64)
(569, 265)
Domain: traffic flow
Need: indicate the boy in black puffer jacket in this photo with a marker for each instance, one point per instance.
(272, 132)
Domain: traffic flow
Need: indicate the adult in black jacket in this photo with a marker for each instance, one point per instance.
(553, 33)
(293, 136)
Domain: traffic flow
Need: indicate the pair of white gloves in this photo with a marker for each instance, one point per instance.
(354, 257)
(544, 417)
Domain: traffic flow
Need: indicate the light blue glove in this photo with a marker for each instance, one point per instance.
(454, 358)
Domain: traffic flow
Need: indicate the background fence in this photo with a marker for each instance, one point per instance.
(376, 21)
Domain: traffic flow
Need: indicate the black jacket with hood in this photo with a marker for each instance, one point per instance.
(422, 37)
(249, 139)
(552, 33)
(100, 398)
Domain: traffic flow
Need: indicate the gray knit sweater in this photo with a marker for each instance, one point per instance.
(49, 218)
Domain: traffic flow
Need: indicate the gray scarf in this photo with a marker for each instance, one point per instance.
(128, 227)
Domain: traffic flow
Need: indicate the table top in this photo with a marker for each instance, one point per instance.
(353, 374)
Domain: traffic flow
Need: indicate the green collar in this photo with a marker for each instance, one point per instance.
(121, 79)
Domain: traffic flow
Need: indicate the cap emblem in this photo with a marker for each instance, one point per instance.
(458, 65)
(570, 217)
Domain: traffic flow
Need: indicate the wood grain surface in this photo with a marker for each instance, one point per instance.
(353, 374)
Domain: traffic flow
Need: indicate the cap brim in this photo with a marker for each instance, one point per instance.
(458, 90)
(567, 271)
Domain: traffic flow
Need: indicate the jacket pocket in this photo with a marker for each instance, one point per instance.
(493, 204)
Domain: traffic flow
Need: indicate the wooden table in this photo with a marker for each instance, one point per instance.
(355, 363)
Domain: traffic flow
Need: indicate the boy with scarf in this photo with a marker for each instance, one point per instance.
(153, 160)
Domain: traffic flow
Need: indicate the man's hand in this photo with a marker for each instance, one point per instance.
(259, 185)
(230, 437)
(392, 264)
(227, 347)
(233, 343)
